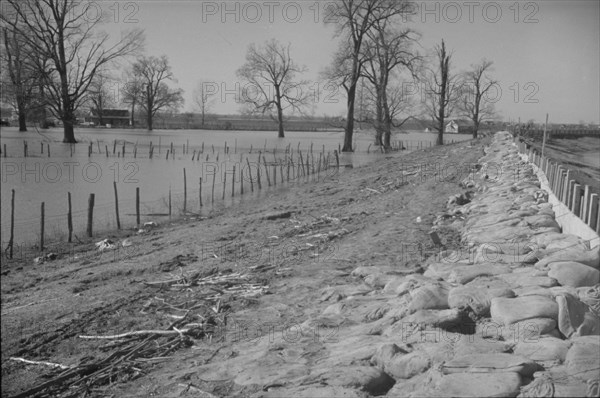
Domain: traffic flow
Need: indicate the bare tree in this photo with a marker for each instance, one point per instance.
(386, 50)
(356, 18)
(101, 94)
(203, 98)
(132, 93)
(476, 85)
(153, 73)
(20, 77)
(270, 73)
(60, 31)
(442, 90)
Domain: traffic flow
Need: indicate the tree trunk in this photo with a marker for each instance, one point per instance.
(387, 122)
(349, 120)
(149, 121)
(475, 129)
(280, 121)
(22, 117)
(279, 112)
(132, 114)
(69, 132)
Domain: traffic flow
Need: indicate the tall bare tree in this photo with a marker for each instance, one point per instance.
(59, 30)
(102, 94)
(270, 73)
(442, 90)
(132, 90)
(153, 73)
(355, 19)
(203, 98)
(475, 86)
(386, 50)
(20, 76)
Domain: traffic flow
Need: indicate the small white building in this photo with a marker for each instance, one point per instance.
(452, 127)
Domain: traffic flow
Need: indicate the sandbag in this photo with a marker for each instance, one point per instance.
(543, 240)
(521, 279)
(364, 271)
(377, 280)
(564, 244)
(540, 221)
(469, 344)
(411, 282)
(571, 273)
(582, 360)
(311, 391)
(435, 318)
(405, 366)
(571, 312)
(466, 273)
(510, 310)
(429, 297)
(587, 257)
(591, 296)
(546, 349)
(590, 325)
(477, 294)
(555, 382)
(479, 385)
(490, 363)
(367, 378)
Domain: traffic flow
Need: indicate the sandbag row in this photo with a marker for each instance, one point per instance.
(516, 313)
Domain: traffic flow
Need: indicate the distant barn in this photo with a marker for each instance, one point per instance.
(110, 117)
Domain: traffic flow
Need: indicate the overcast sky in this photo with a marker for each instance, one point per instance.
(546, 54)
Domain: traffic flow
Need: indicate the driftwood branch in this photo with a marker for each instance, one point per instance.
(137, 333)
(51, 364)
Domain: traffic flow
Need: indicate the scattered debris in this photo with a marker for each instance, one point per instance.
(45, 258)
(105, 244)
(279, 215)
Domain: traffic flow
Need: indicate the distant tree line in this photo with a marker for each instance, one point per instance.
(56, 60)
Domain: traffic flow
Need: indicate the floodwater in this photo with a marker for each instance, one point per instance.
(39, 178)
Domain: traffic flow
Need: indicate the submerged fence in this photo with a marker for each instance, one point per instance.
(578, 197)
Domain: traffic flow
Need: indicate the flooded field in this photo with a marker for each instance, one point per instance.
(41, 178)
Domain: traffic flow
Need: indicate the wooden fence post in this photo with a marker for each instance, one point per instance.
(70, 218)
(576, 201)
(184, 192)
(224, 183)
(200, 192)
(258, 172)
(117, 205)
(12, 218)
(593, 212)
(250, 175)
(267, 171)
(90, 215)
(233, 182)
(213, 186)
(137, 206)
(586, 201)
(42, 227)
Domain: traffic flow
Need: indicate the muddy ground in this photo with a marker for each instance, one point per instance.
(236, 282)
